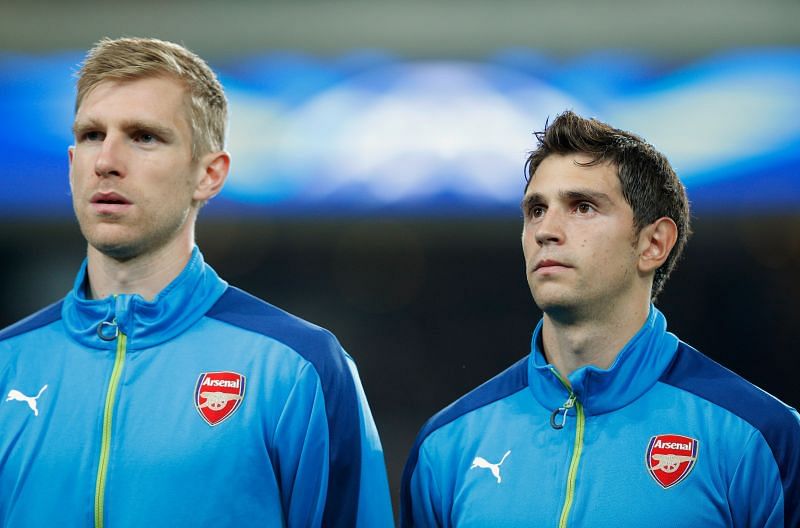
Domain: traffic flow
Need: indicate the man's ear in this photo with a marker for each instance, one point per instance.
(214, 166)
(655, 244)
(71, 156)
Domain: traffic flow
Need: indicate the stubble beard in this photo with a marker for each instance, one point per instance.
(572, 302)
(149, 239)
(567, 307)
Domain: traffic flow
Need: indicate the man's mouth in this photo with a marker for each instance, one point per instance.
(550, 263)
(109, 204)
(109, 198)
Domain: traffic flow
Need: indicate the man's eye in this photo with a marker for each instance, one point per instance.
(537, 211)
(585, 208)
(93, 135)
(146, 138)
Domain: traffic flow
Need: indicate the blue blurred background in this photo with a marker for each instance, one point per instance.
(378, 152)
(372, 133)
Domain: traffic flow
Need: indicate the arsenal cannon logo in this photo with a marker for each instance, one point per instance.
(670, 458)
(217, 395)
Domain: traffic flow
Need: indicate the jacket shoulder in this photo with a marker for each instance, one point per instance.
(778, 423)
(243, 310)
(43, 317)
(698, 374)
(508, 382)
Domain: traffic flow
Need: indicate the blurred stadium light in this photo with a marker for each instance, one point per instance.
(369, 133)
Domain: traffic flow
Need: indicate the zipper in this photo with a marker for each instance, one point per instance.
(573, 465)
(572, 401)
(108, 414)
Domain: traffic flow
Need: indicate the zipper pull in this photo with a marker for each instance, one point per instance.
(569, 404)
(108, 330)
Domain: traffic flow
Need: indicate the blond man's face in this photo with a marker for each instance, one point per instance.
(132, 175)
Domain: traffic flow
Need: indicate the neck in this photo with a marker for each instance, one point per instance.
(145, 274)
(576, 340)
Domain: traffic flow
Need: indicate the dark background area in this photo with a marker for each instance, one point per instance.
(429, 309)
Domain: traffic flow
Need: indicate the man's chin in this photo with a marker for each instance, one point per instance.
(117, 250)
(553, 302)
(113, 240)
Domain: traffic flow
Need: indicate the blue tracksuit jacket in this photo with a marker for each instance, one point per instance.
(205, 407)
(664, 438)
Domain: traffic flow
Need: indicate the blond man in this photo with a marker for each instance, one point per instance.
(171, 397)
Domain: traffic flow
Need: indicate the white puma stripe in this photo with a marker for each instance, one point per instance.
(14, 394)
(480, 462)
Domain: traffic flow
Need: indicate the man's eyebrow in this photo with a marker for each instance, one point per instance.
(78, 127)
(164, 132)
(572, 195)
(529, 200)
(136, 125)
(585, 195)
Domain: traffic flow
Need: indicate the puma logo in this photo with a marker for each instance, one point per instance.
(480, 462)
(14, 394)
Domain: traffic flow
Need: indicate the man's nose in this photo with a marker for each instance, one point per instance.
(549, 229)
(109, 161)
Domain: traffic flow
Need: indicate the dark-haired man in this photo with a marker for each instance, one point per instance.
(155, 394)
(611, 421)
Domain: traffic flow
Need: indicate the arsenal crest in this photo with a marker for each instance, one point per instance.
(670, 458)
(217, 395)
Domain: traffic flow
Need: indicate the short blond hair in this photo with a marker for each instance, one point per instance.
(136, 58)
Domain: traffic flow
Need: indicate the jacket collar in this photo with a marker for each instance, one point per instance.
(145, 323)
(637, 368)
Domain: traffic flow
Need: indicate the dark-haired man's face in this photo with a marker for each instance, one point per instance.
(578, 236)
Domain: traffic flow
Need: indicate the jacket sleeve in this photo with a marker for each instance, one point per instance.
(301, 452)
(420, 496)
(374, 501)
(765, 488)
(329, 458)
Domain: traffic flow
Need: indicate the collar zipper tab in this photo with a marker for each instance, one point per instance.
(108, 330)
(559, 417)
